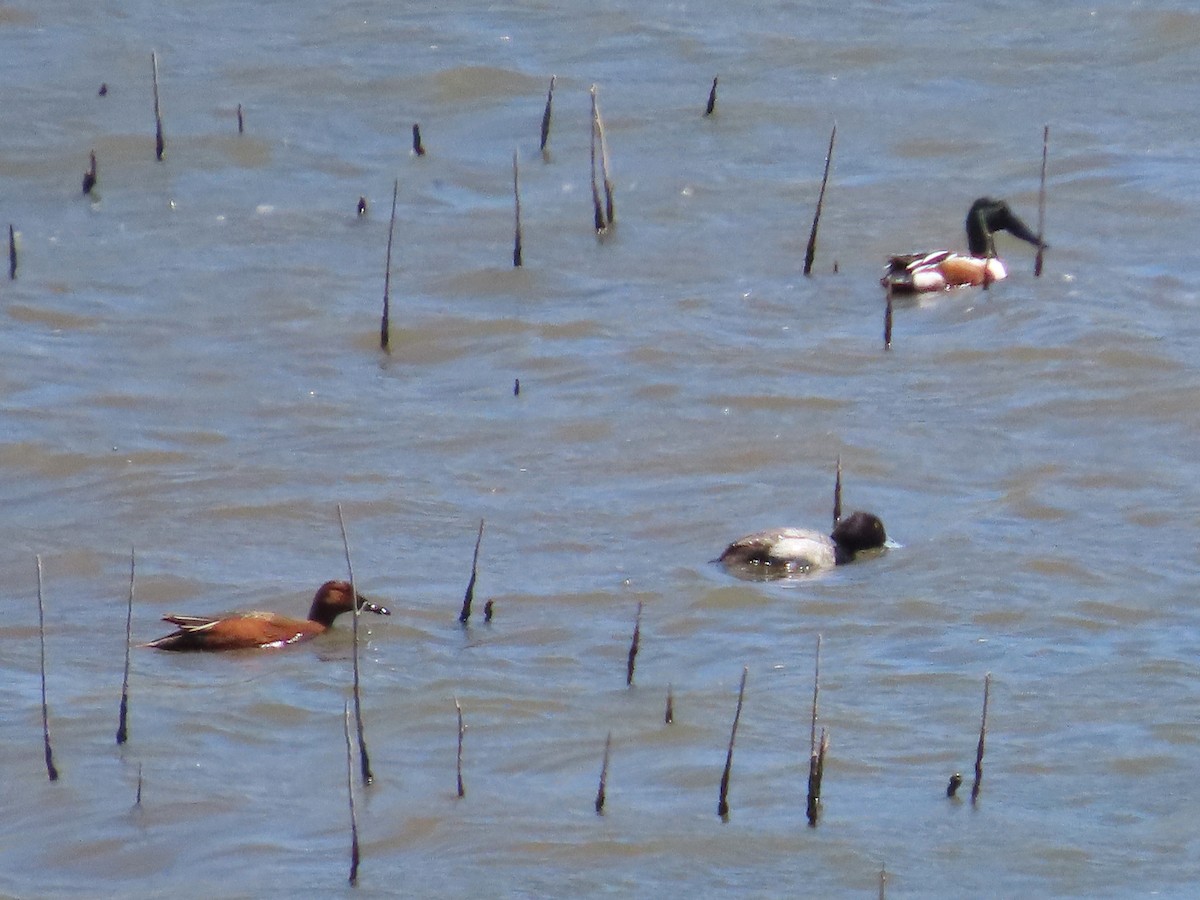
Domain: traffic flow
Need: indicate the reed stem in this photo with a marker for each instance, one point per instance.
(122, 730)
(723, 798)
(364, 757)
(811, 251)
(469, 596)
(384, 322)
(51, 770)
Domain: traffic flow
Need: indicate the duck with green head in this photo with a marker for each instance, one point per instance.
(918, 273)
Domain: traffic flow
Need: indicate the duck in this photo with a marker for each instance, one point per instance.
(918, 273)
(786, 551)
(250, 630)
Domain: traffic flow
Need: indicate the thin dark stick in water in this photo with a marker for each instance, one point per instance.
(603, 776)
(418, 147)
(546, 115)
(883, 882)
(1041, 251)
(517, 259)
(362, 205)
(516, 387)
(488, 609)
(633, 647)
(89, 177)
(462, 730)
(815, 753)
(12, 253)
(609, 211)
(241, 121)
(811, 251)
(159, 143)
(597, 209)
(469, 596)
(137, 800)
(51, 771)
(354, 854)
(816, 772)
(104, 89)
(364, 757)
(669, 716)
(122, 715)
(887, 320)
(384, 330)
(712, 99)
(837, 493)
(987, 685)
(723, 799)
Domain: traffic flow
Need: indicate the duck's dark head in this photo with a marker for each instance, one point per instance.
(987, 216)
(336, 597)
(857, 532)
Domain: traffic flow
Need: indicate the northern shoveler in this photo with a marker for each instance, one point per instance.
(242, 631)
(786, 551)
(916, 273)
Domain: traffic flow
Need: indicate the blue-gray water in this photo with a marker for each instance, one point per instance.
(191, 367)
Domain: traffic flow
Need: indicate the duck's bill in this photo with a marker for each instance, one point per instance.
(366, 605)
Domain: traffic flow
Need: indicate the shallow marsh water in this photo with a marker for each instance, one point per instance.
(191, 368)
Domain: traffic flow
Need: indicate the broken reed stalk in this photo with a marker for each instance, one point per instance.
(89, 177)
(669, 715)
(516, 387)
(723, 799)
(887, 320)
(600, 792)
(546, 115)
(384, 327)
(816, 772)
(51, 771)
(159, 144)
(597, 209)
(462, 730)
(122, 715)
(137, 800)
(488, 609)
(883, 882)
(354, 854)
(816, 754)
(469, 596)
(811, 251)
(418, 147)
(633, 647)
(609, 211)
(712, 99)
(837, 493)
(517, 257)
(364, 757)
(241, 121)
(987, 684)
(1041, 251)
(362, 205)
(12, 253)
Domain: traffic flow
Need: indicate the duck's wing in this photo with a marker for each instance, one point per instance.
(191, 623)
(235, 632)
(789, 549)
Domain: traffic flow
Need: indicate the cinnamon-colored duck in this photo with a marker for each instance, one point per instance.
(248, 630)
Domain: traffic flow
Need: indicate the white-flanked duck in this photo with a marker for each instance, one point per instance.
(917, 273)
(790, 551)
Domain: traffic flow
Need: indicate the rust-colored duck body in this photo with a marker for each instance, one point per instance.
(249, 630)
